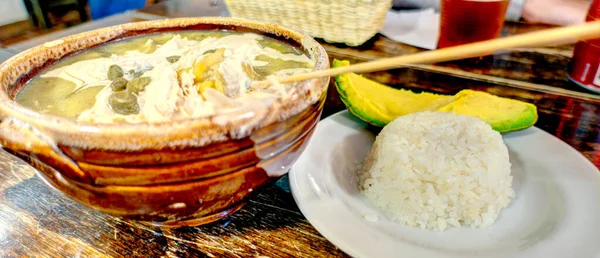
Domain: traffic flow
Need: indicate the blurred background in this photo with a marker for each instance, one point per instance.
(24, 19)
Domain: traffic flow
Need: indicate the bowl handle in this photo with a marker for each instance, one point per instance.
(22, 137)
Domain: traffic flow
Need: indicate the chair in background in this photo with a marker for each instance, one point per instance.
(39, 9)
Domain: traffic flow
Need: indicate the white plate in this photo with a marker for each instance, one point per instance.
(556, 211)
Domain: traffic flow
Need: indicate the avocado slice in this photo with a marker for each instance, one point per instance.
(379, 104)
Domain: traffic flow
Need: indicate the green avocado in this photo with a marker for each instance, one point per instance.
(379, 104)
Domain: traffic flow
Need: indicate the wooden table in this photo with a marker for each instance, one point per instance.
(36, 221)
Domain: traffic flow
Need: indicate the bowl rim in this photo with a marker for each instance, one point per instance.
(234, 124)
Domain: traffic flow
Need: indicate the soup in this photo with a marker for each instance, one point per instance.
(164, 76)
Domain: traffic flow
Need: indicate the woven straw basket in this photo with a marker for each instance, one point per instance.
(337, 21)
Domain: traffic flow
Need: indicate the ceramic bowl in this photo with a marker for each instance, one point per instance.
(179, 173)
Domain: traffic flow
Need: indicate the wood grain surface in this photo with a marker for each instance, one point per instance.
(37, 221)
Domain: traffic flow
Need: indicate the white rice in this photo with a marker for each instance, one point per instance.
(438, 170)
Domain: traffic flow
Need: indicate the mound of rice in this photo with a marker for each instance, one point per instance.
(438, 170)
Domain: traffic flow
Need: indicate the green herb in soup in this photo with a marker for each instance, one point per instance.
(163, 76)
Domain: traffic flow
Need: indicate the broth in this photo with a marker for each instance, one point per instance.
(163, 76)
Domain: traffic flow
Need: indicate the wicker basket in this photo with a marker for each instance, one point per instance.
(337, 21)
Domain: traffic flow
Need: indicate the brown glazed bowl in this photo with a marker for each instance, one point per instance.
(177, 173)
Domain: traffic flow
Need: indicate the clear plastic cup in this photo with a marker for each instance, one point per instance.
(467, 21)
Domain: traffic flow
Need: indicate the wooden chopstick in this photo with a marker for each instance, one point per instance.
(543, 37)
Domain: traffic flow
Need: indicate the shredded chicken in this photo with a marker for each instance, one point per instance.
(187, 78)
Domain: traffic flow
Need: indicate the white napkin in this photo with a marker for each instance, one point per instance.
(419, 28)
